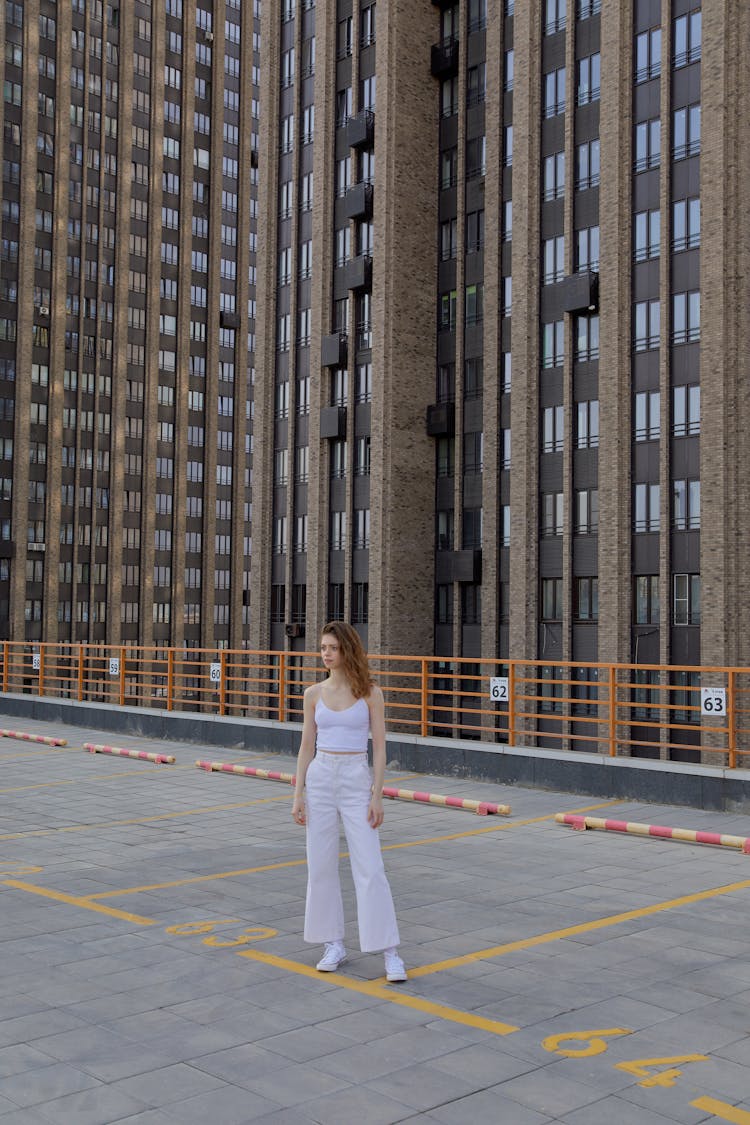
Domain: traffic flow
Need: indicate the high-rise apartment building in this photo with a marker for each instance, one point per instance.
(496, 401)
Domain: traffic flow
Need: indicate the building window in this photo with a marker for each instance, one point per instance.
(646, 235)
(589, 79)
(473, 452)
(360, 603)
(646, 507)
(506, 296)
(508, 146)
(647, 416)
(279, 535)
(588, 167)
(300, 535)
(473, 378)
(586, 599)
(686, 410)
(554, 16)
(336, 601)
(474, 231)
(362, 458)
(554, 176)
(686, 505)
(474, 304)
(278, 604)
(338, 460)
(646, 326)
(507, 221)
(587, 250)
(471, 535)
(587, 338)
(554, 92)
(686, 224)
(687, 38)
(338, 531)
(552, 514)
(449, 97)
(686, 317)
(686, 131)
(587, 424)
(552, 429)
(553, 258)
(477, 15)
(447, 311)
(361, 529)
(553, 337)
(586, 516)
(475, 80)
(448, 244)
(367, 26)
(646, 603)
(444, 605)
(552, 599)
(647, 145)
(686, 599)
(476, 157)
(648, 55)
(448, 168)
(471, 603)
(505, 519)
(446, 456)
(445, 529)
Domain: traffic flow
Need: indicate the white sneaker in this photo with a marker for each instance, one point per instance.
(394, 966)
(334, 955)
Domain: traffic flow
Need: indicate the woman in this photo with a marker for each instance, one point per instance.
(339, 713)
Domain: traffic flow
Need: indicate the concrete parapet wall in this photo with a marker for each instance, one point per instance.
(595, 775)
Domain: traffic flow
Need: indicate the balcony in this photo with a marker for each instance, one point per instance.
(333, 350)
(444, 58)
(358, 201)
(360, 129)
(333, 422)
(359, 272)
(580, 293)
(441, 419)
(466, 566)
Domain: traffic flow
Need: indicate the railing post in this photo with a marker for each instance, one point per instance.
(80, 673)
(282, 687)
(424, 724)
(41, 669)
(511, 703)
(612, 722)
(222, 684)
(122, 677)
(6, 658)
(731, 720)
(170, 678)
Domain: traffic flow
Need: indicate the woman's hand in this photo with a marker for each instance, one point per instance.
(375, 812)
(298, 811)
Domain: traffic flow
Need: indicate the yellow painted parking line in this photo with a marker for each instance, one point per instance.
(139, 820)
(723, 1110)
(383, 992)
(342, 855)
(573, 931)
(75, 900)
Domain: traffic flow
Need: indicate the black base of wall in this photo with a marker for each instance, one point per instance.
(671, 783)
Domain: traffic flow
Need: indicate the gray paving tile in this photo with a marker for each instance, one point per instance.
(488, 1106)
(44, 1084)
(22, 1057)
(99, 1106)
(229, 1106)
(358, 1104)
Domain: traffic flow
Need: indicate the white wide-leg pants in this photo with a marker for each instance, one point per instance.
(340, 785)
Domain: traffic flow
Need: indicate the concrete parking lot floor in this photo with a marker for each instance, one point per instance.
(152, 967)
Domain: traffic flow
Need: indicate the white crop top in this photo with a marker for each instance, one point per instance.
(345, 730)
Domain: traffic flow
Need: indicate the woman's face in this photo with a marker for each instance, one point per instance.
(330, 651)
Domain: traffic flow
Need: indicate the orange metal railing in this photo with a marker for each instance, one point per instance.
(680, 713)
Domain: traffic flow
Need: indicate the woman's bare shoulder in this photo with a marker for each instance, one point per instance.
(312, 693)
(375, 696)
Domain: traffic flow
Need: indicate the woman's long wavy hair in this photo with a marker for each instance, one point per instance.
(353, 655)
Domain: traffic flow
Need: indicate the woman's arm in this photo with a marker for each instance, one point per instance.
(306, 753)
(377, 731)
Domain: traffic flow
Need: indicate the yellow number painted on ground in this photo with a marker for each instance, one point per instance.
(186, 928)
(594, 1042)
(723, 1110)
(663, 1078)
(255, 933)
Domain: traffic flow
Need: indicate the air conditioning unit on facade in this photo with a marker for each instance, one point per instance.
(44, 310)
(208, 36)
